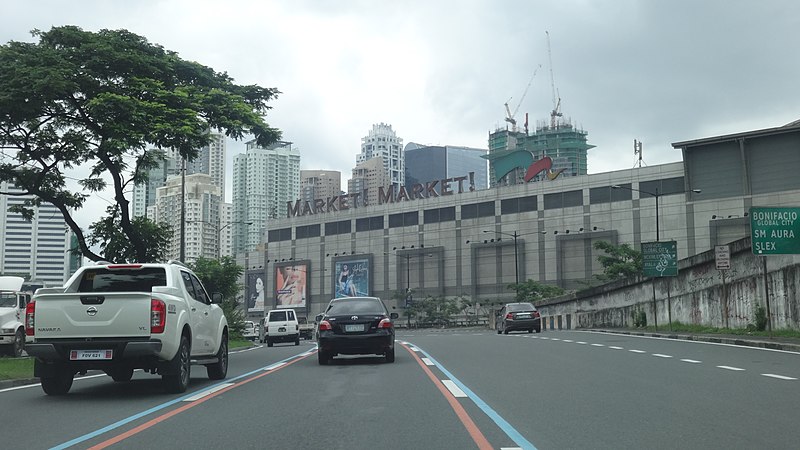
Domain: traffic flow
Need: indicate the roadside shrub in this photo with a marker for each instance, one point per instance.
(761, 318)
(639, 318)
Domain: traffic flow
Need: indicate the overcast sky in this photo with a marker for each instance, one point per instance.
(440, 71)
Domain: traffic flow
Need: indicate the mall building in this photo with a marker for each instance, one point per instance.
(443, 239)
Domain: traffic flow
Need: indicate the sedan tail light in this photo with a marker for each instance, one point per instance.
(385, 324)
(509, 316)
(30, 315)
(325, 326)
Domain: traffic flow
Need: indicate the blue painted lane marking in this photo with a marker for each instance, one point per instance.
(134, 417)
(507, 428)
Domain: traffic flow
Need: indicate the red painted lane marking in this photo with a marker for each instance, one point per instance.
(472, 429)
(165, 416)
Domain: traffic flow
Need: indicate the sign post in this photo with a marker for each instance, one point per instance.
(660, 259)
(722, 256)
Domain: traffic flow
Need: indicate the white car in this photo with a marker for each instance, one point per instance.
(280, 325)
(12, 313)
(249, 332)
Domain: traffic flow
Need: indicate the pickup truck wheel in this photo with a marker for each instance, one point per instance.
(59, 383)
(297, 340)
(16, 348)
(219, 369)
(121, 374)
(177, 380)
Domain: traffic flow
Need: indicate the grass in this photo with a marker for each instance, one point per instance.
(18, 368)
(701, 329)
(15, 368)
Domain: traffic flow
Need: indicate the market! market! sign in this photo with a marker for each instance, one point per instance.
(386, 194)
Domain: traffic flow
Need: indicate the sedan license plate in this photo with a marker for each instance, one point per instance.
(353, 328)
(80, 355)
(523, 316)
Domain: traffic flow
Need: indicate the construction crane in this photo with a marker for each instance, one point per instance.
(509, 115)
(556, 112)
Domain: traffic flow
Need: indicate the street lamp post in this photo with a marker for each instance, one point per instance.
(516, 256)
(658, 238)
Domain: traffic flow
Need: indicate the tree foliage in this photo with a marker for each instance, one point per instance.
(533, 291)
(620, 261)
(437, 310)
(101, 102)
(223, 276)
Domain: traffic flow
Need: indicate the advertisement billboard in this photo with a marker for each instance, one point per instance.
(291, 285)
(254, 284)
(351, 277)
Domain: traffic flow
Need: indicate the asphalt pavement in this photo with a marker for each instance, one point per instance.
(775, 343)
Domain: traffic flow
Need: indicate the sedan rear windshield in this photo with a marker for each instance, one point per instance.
(356, 306)
(521, 307)
(103, 279)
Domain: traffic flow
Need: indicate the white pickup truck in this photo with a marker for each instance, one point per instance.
(12, 312)
(121, 317)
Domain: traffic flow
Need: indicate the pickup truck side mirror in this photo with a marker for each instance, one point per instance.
(216, 297)
(394, 316)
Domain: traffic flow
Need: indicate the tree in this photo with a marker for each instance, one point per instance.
(620, 261)
(533, 291)
(223, 276)
(105, 100)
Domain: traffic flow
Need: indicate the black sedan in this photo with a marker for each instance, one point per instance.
(355, 326)
(519, 317)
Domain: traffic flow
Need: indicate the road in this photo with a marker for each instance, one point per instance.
(446, 390)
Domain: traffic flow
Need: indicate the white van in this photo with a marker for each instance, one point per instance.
(280, 325)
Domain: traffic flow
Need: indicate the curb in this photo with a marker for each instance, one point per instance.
(771, 345)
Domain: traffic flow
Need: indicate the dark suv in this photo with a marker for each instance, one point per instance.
(355, 326)
(518, 317)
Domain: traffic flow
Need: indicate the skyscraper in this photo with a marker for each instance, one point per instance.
(264, 180)
(429, 163)
(38, 249)
(383, 141)
(369, 175)
(320, 184)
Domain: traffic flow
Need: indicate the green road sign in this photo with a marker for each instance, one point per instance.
(775, 231)
(660, 259)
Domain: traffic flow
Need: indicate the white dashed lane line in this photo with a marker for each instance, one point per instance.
(427, 362)
(614, 347)
(780, 377)
(661, 356)
(455, 390)
(637, 351)
(598, 345)
(691, 361)
(735, 369)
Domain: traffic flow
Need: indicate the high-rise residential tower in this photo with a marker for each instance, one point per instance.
(320, 184)
(264, 181)
(369, 175)
(38, 249)
(383, 141)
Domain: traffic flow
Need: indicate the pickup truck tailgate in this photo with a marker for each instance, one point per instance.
(106, 315)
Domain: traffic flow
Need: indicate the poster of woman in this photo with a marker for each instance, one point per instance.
(290, 281)
(351, 278)
(255, 291)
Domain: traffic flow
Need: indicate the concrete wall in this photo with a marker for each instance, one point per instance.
(696, 296)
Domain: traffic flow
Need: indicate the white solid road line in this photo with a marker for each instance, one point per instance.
(455, 390)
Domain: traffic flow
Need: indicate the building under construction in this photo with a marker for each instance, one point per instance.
(565, 144)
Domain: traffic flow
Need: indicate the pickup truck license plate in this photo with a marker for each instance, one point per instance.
(353, 328)
(77, 355)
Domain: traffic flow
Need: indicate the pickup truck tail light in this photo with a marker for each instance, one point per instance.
(158, 316)
(385, 324)
(536, 314)
(30, 313)
(325, 326)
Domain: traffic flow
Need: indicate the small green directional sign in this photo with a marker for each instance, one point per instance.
(660, 259)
